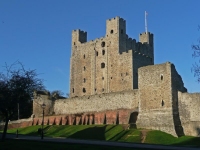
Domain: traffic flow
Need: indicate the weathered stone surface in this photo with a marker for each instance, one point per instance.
(113, 80)
(110, 63)
(158, 88)
(95, 103)
(189, 110)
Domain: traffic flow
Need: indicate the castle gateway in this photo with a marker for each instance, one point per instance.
(113, 80)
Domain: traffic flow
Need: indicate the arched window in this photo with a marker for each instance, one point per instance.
(84, 90)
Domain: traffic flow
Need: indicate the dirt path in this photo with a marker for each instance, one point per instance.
(143, 135)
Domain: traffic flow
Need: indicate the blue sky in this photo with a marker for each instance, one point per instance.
(38, 32)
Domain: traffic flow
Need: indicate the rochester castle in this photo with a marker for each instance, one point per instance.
(113, 80)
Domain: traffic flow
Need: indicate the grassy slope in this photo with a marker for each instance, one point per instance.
(109, 133)
(159, 137)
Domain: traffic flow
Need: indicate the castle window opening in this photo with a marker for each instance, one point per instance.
(103, 90)
(161, 77)
(84, 90)
(74, 43)
(102, 65)
(72, 90)
(84, 68)
(84, 56)
(102, 78)
(111, 31)
(95, 89)
(110, 77)
(84, 80)
(96, 53)
(103, 52)
(103, 44)
(163, 103)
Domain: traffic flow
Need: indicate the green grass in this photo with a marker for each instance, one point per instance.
(159, 137)
(109, 133)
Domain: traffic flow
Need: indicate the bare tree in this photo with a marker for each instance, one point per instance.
(57, 94)
(196, 54)
(16, 89)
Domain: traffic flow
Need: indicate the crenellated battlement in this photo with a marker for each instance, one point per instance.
(117, 18)
(110, 63)
(113, 80)
(81, 32)
(78, 36)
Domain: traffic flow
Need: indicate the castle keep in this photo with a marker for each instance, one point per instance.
(108, 64)
(113, 80)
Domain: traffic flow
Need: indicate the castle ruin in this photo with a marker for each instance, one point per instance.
(113, 80)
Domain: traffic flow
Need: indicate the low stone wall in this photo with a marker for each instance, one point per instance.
(97, 103)
(157, 120)
(37, 105)
(87, 104)
(189, 110)
(123, 116)
(18, 123)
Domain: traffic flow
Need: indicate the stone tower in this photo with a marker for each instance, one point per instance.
(110, 63)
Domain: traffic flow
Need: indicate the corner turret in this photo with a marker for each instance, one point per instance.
(147, 38)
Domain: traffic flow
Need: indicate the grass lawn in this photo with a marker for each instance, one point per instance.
(109, 133)
(159, 137)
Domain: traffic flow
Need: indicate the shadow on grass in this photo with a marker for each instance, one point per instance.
(94, 133)
(189, 142)
(118, 136)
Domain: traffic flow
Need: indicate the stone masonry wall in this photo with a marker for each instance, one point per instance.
(177, 85)
(110, 63)
(155, 105)
(87, 104)
(121, 116)
(18, 123)
(37, 105)
(98, 103)
(189, 110)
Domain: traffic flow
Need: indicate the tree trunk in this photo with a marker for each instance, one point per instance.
(5, 128)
